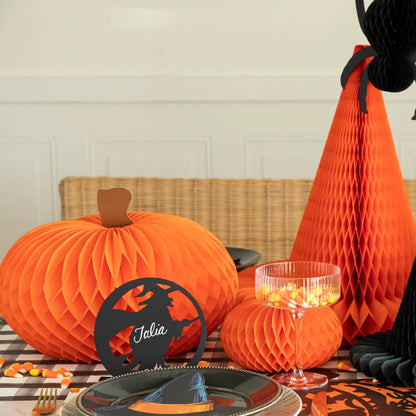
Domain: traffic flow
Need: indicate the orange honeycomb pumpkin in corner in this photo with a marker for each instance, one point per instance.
(54, 279)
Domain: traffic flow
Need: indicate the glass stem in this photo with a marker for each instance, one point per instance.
(297, 316)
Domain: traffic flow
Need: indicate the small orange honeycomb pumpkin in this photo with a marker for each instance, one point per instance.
(261, 338)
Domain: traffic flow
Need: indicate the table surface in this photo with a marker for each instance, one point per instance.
(17, 396)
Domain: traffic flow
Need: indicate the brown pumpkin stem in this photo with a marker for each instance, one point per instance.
(113, 204)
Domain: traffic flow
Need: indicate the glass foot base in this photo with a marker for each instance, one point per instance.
(308, 381)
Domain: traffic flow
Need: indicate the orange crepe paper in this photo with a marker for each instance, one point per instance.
(261, 338)
(358, 215)
(55, 278)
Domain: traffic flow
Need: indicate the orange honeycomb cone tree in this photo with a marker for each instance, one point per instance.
(358, 215)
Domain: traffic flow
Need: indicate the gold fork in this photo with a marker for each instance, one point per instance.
(46, 402)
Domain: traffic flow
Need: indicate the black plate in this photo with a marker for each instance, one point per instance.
(243, 257)
(238, 392)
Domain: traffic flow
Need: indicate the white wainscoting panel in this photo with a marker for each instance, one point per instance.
(278, 157)
(157, 157)
(28, 187)
(407, 155)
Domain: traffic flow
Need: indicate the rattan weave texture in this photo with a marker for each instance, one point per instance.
(258, 214)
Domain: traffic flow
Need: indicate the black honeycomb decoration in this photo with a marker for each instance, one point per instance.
(391, 356)
(390, 27)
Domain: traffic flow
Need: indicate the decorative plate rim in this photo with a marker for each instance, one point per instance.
(252, 411)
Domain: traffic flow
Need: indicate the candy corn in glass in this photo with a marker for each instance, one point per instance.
(297, 286)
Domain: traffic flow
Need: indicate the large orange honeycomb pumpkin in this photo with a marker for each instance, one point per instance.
(54, 279)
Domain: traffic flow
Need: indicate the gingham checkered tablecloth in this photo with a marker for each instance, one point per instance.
(17, 396)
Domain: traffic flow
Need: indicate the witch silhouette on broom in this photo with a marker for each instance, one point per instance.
(153, 327)
(150, 339)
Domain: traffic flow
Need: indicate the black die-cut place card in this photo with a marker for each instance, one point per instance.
(152, 328)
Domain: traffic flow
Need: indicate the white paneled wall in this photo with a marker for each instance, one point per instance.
(160, 155)
(170, 88)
